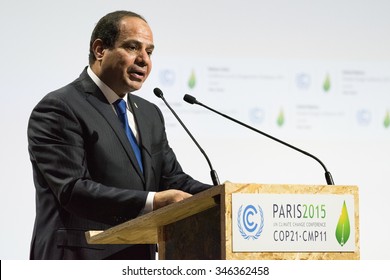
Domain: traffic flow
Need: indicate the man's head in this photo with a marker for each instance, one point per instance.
(120, 49)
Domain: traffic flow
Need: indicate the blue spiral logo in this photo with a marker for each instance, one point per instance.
(249, 212)
(250, 221)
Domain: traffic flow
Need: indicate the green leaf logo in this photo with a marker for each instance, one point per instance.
(386, 122)
(192, 80)
(326, 85)
(280, 119)
(343, 228)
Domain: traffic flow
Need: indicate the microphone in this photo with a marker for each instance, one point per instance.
(192, 100)
(213, 173)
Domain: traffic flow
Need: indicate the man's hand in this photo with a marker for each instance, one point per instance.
(167, 197)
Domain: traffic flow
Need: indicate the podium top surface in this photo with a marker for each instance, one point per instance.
(144, 229)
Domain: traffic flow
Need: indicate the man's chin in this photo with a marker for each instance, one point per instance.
(132, 88)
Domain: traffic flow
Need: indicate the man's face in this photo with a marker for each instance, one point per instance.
(125, 67)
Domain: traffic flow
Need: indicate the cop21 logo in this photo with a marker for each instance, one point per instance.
(250, 221)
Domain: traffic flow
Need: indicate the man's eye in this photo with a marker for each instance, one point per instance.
(131, 47)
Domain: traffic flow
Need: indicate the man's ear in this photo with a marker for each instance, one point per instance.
(98, 49)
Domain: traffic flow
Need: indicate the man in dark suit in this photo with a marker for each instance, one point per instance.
(86, 172)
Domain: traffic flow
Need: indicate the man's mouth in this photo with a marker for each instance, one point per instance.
(137, 74)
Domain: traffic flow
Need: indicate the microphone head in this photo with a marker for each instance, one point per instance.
(158, 92)
(190, 99)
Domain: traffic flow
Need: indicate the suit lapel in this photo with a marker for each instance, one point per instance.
(143, 126)
(97, 99)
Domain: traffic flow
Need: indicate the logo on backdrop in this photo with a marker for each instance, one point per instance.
(343, 229)
(363, 117)
(250, 221)
(303, 81)
(256, 115)
(386, 121)
(167, 77)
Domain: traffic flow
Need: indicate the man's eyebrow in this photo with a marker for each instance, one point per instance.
(138, 43)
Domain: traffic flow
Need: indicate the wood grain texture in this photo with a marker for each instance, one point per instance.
(144, 229)
(194, 238)
(200, 227)
(287, 189)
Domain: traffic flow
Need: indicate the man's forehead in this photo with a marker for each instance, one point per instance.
(135, 28)
(134, 24)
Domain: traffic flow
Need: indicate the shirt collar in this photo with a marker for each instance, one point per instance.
(110, 95)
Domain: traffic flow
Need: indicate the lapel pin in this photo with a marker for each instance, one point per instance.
(135, 104)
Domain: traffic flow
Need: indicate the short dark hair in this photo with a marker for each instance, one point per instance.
(107, 29)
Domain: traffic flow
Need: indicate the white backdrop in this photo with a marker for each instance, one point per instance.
(321, 68)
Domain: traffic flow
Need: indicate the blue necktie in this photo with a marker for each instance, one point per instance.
(120, 107)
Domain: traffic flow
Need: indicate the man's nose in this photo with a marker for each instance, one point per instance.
(143, 58)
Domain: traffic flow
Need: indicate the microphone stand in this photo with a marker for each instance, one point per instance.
(328, 176)
(213, 173)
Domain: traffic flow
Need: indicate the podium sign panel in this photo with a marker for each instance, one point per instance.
(251, 222)
(293, 223)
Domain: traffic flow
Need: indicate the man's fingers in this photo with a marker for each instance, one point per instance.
(167, 197)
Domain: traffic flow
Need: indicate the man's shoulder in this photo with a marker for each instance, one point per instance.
(72, 90)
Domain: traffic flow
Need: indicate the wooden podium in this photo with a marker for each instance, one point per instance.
(201, 227)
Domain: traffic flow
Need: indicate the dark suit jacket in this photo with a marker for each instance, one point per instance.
(86, 175)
